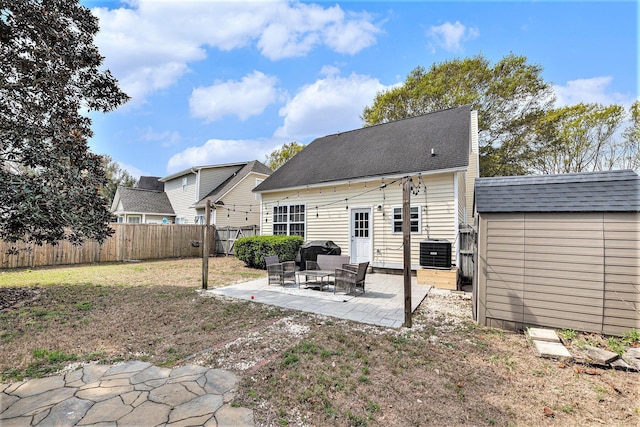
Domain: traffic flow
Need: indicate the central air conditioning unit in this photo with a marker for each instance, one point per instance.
(435, 253)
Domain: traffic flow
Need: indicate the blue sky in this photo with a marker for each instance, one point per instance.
(218, 82)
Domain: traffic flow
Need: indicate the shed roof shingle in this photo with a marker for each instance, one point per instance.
(609, 191)
(393, 148)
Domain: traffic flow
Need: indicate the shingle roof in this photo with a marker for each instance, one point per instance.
(229, 183)
(150, 183)
(145, 201)
(196, 168)
(610, 191)
(393, 148)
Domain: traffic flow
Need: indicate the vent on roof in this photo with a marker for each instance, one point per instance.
(435, 253)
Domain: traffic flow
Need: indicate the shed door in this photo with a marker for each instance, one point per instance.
(360, 235)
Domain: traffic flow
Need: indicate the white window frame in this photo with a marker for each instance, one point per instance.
(180, 220)
(284, 219)
(198, 219)
(185, 182)
(395, 220)
(130, 217)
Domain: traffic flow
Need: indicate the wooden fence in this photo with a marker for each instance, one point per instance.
(129, 242)
(227, 236)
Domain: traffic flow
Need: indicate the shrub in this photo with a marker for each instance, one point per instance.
(252, 250)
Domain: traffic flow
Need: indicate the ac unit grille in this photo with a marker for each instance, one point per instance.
(435, 253)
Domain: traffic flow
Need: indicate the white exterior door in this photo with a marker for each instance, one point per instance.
(360, 235)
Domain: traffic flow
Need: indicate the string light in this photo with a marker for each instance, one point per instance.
(382, 186)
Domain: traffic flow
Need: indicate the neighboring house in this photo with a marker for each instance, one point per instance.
(346, 187)
(227, 186)
(145, 204)
(559, 251)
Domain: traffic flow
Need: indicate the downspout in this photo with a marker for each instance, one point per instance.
(197, 195)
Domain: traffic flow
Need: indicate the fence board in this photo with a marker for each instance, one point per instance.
(128, 242)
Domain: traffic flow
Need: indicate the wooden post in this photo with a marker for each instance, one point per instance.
(205, 246)
(406, 248)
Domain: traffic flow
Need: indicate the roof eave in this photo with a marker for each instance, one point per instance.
(362, 179)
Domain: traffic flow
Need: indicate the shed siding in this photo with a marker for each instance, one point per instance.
(182, 201)
(562, 270)
(330, 221)
(622, 272)
(240, 204)
(502, 268)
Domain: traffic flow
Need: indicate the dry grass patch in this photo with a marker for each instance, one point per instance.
(297, 368)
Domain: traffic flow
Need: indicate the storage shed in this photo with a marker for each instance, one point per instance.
(559, 251)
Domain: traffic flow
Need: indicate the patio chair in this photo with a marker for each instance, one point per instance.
(280, 272)
(350, 278)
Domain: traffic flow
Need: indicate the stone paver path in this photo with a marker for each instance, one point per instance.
(129, 394)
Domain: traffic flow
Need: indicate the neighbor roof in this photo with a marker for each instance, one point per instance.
(150, 183)
(145, 201)
(234, 179)
(195, 169)
(610, 191)
(393, 148)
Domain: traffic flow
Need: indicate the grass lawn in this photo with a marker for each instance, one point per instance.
(297, 368)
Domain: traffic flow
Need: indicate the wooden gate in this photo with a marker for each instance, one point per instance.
(226, 237)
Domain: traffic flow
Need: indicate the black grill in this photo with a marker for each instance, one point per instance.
(311, 250)
(435, 253)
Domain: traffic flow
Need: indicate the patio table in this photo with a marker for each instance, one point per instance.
(316, 274)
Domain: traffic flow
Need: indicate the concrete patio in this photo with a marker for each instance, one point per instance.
(382, 304)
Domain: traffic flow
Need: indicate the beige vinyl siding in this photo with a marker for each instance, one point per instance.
(561, 270)
(473, 171)
(622, 272)
(462, 199)
(332, 222)
(182, 201)
(211, 178)
(247, 208)
(501, 253)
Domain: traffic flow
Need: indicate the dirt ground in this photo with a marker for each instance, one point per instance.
(297, 368)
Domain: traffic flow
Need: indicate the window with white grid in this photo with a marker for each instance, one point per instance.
(289, 220)
(415, 219)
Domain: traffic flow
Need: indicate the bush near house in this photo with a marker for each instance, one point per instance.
(252, 250)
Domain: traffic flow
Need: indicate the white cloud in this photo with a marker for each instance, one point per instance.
(149, 44)
(134, 171)
(593, 90)
(450, 36)
(330, 105)
(245, 98)
(218, 151)
(166, 138)
(351, 36)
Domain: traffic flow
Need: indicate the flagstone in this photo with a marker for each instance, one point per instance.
(202, 405)
(68, 412)
(38, 386)
(171, 394)
(107, 410)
